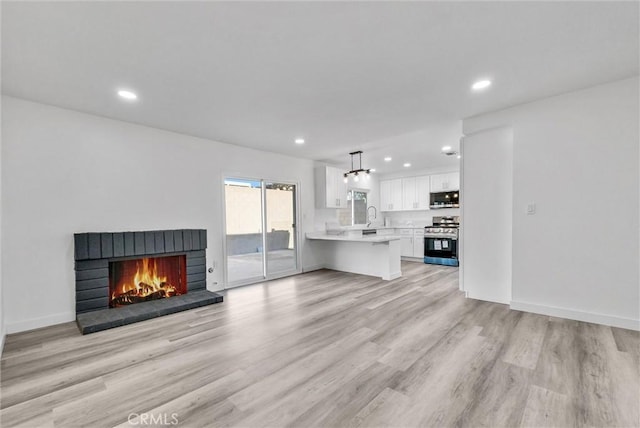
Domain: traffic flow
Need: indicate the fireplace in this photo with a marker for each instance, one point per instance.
(145, 279)
(127, 277)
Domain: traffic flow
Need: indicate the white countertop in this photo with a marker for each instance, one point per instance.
(364, 227)
(369, 238)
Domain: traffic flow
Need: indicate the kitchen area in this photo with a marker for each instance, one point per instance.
(373, 222)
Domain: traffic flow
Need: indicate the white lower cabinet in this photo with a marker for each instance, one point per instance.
(418, 243)
(406, 246)
(411, 242)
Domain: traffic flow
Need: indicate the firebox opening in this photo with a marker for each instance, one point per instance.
(141, 280)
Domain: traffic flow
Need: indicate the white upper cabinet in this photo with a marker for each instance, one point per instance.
(391, 195)
(405, 194)
(415, 193)
(422, 192)
(331, 190)
(385, 195)
(409, 194)
(445, 182)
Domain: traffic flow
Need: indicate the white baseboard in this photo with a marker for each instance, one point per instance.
(572, 314)
(492, 299)
(312, 268)
(1, 343)
(395, 275)
(31, 324)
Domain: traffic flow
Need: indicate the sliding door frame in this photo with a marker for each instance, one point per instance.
(296, 231)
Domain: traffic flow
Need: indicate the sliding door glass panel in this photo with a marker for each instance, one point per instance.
(245, 243)
(280, 228)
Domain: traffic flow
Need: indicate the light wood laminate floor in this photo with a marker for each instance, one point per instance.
(329, 349)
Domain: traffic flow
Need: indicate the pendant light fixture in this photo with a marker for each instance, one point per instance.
(356, 172)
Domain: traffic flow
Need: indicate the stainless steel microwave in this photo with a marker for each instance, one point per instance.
(445, 200)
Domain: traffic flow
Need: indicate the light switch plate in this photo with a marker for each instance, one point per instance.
(531, 208)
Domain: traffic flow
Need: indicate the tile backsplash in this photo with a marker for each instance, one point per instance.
(418, 218)
(398, 218)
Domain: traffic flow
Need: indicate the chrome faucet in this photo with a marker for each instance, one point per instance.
(375, 215)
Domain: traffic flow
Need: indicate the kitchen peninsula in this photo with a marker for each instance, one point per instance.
(366, 254)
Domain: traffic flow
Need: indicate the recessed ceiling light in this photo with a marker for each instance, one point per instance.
(299, 141)
(406, 165)
(446, 148)
(127, 95)
(387, 159)
(481, 84)
(459, 156)
(372, 170)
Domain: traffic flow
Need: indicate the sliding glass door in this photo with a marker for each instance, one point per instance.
(280, 228)
(261, 238)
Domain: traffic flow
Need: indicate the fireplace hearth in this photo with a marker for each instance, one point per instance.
(126, 277)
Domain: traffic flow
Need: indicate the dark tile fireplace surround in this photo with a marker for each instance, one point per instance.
(94, 252)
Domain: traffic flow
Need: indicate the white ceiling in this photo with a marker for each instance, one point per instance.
(345, 76)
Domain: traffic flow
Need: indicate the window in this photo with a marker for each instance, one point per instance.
(356, 210)
(358, 206)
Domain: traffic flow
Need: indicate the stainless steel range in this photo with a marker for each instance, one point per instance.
(441, 241)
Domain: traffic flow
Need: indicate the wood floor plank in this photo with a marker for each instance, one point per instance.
(546, 408)
(502, 399)
(385, 410)
(595, 393)
(283, 410)
(199, 406)
(282, 381)
(42, 406)
(558, 367)
(627, 341)
(329, 349)
(349, 400)
(524, 347)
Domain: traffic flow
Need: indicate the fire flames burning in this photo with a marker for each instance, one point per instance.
(146, 284)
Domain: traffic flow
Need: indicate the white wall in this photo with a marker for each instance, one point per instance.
(576, 156)
(65, 172)
(486, 241)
